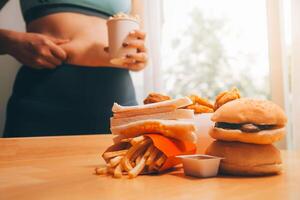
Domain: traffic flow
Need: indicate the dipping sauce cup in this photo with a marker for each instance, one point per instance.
(200, 165)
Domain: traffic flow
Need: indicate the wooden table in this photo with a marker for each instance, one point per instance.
(63, 168)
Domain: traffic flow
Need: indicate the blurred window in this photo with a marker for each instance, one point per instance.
(211, 46)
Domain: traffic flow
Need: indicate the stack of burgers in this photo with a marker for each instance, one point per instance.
(148, 137)
(244, 131)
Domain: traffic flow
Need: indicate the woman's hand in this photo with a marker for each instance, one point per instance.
(37, 50)
(136, 61)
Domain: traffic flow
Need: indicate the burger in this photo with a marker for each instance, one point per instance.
(250, 121)
(245, 130)
(246, 159)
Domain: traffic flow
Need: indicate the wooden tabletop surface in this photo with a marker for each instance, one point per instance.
(63, 168)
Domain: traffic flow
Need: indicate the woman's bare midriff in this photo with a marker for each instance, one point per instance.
(87, 35)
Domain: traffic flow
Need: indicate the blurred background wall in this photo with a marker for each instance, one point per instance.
(10, 18)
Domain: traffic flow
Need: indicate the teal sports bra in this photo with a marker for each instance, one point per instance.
(33, 9)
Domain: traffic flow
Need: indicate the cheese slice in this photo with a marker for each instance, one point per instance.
(181, 130)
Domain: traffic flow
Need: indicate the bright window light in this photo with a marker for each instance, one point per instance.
(211, 46)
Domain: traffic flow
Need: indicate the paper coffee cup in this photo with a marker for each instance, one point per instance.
(118, 30)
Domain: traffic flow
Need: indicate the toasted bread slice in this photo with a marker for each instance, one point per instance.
(160, 107)
(177, 114)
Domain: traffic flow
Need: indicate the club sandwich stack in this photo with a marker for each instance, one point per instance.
(162, 118)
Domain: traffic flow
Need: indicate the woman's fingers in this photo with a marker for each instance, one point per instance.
(140, 57)
(46, 54)
(136, 61)
(128, 61)
(135, 58)
(139, 44)
(138, 34)
(52, 59)
(57, 51)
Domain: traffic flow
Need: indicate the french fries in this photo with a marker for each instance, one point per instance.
(112, 154)
(152, 156)
(141, 157)
(115, 161)
(118, 171)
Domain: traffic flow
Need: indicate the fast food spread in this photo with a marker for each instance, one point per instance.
(151, 137)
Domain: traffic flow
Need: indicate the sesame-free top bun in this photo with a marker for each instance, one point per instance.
(246, 110)
(246, 159)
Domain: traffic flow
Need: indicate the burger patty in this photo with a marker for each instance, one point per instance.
(248, 127)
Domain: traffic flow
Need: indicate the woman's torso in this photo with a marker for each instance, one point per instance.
(88, 36)
(87, 33)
